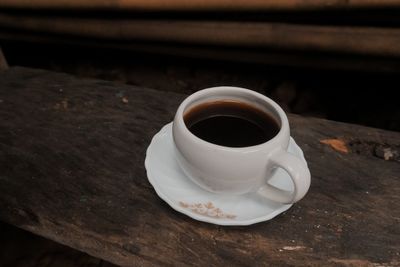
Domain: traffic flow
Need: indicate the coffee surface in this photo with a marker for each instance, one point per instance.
(231, 123)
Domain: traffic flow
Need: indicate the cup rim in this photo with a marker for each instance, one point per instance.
(282, 117)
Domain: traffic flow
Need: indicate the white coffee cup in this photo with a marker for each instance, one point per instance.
(239, 170)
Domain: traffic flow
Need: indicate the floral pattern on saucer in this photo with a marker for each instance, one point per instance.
(207, 209)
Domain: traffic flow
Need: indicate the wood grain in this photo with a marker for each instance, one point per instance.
(71, 169)
(373, 41)
(200, 4)
(249, 55)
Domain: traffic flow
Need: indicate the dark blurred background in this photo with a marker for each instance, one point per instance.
(337, 60)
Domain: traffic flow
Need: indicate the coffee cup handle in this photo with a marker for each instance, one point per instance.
(299, 173)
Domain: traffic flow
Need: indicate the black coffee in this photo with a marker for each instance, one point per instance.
(231, 123)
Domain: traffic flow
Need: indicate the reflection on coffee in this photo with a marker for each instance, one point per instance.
(231, 123)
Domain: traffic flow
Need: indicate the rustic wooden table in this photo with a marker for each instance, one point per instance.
(72, 169)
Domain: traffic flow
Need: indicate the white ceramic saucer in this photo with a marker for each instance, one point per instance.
(183, 195)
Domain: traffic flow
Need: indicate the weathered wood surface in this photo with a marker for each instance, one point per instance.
(72, 170)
